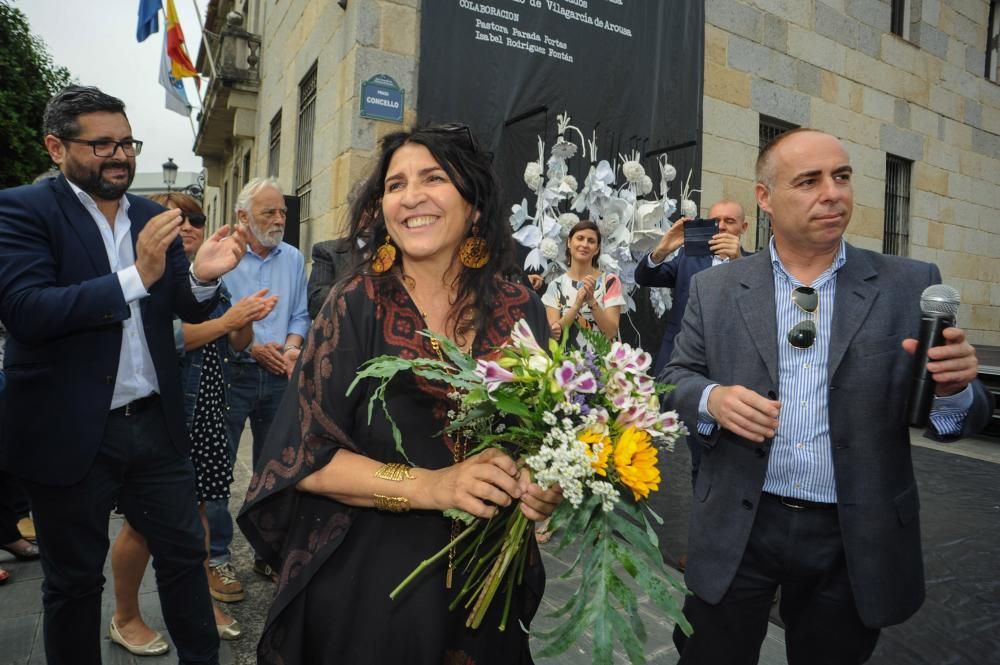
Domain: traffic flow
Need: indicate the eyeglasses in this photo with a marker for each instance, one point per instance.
(271, 213)
(194, 219)
(803, 334)
(105, 148)
(453, 128)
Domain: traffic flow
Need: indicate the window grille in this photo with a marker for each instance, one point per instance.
(304, 142)
(896, 235)
(769, 129)
(274, 146)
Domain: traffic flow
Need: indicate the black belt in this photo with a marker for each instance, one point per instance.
(135, 406)
(799, 504)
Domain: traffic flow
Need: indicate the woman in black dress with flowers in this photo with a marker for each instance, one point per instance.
(332, 503)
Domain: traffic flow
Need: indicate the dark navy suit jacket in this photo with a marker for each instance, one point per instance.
(63, 309)
(675, 274)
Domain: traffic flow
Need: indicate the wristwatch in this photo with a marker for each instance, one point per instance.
(198, 282)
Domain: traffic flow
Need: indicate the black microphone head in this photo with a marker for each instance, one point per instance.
(940, 299)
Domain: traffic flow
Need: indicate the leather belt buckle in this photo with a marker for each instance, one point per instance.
(792, 503)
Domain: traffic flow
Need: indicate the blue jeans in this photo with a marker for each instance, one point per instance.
(253, 393)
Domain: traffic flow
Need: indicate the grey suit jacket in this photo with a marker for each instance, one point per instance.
(729, 336)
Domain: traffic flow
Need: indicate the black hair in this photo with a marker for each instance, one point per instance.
(73, 101)
(585, 225)
(470, 169)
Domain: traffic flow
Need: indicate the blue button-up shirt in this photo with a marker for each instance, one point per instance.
(283, 272)
(801, 460)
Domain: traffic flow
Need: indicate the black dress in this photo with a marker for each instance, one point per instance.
(209, 437)
(338, 563)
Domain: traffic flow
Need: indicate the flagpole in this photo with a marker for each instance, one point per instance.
(208, 46)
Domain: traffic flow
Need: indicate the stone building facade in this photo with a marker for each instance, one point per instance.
(919, 117)
(920, 101)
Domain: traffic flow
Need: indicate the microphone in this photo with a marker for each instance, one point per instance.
(939, 306)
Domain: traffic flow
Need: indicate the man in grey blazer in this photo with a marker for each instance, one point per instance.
(794, 366)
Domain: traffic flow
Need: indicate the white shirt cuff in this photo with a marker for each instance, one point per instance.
(131, 284)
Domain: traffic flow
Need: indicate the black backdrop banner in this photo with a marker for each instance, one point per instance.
(629, 70)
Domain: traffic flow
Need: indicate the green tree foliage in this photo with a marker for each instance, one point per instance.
(28, 78)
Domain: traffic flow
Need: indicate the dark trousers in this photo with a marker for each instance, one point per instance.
(800, 550)
(138, 468)
(253, 393)
(13, 506)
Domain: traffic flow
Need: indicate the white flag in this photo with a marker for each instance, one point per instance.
(177, 100)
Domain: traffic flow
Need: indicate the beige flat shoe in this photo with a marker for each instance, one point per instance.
(155, 647)
(231, 631)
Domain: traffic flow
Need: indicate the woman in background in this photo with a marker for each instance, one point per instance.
(202, 348)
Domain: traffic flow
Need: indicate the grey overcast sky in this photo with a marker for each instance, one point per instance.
(95, 40)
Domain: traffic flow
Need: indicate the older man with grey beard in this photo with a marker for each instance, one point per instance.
(258, 377)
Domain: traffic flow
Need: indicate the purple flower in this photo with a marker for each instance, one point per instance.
(523, 338)
(564, 374)
(492, 374)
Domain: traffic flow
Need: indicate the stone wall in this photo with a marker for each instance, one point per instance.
(348, 46)
(835, 66)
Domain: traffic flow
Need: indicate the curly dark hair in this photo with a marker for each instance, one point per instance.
(68, 104)
(470, 169)
(585, 225)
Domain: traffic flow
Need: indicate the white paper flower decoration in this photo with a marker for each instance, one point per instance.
(645, 185)
(689, 208)
(549, 248)
(533, 176)
(668, 172)
(568, 220)
(563, 149)
(569, 182)
(633, 171)
(519, 214)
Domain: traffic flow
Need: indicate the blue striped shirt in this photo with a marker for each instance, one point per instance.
(801, 459)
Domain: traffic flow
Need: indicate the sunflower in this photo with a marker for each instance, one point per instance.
(598, 446)
(635, 461)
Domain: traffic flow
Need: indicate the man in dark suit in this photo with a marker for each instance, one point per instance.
(92, 417)
(792, 370)
(331, 259)
(676, 274)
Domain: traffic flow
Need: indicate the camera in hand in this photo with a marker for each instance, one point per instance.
(697, 233)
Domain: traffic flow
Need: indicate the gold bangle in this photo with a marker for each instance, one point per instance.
(392, 504)
(394, 472)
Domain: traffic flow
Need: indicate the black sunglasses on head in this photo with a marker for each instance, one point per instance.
(194, 219)
(803, 334)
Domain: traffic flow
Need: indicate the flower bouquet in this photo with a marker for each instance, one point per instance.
(588, 420)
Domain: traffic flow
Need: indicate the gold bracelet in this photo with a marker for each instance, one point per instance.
(392, 504)
(395, 472)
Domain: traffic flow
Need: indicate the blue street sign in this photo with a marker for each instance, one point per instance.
(382, 99)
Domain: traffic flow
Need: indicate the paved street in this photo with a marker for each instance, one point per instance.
(20, 605)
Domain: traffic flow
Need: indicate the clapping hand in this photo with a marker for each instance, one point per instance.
(221, 252)
(152, 243)
(251, 308)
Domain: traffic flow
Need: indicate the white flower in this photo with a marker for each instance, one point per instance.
(633, 171)
(568, 220)
(539, 363)
(668, 173)
(519, 214)
(689, 208)
(607, 492)
(549, 248)
(608, 224)
(563, 149)
(549, 419)
(569, 182)
(645, 185)
(533, 176)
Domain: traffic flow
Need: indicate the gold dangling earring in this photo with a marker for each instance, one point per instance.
(474, 253)
(384, 256)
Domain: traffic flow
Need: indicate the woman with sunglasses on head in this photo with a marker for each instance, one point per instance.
(584, 297)
(202, 348)
(333, 504)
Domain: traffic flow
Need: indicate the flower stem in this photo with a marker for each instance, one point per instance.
(513, 542)
(427, 562)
